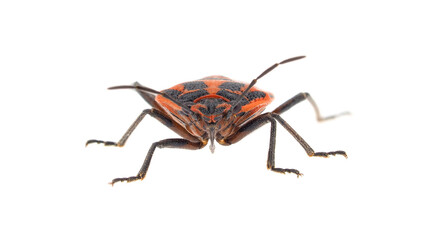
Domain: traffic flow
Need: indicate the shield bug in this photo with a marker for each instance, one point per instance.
(216, 108)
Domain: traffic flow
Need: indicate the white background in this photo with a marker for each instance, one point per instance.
(57, 59)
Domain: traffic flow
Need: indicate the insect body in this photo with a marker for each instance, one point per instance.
(215, 108)
(210, 99)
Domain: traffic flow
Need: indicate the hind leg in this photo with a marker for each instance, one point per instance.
(299, 98)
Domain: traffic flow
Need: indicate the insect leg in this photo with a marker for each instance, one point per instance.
(157, 115)
(167, 143)
(251, 126)
(271, 153)
(123, 140)
(303, 143)
(299, 98)
(259, 121)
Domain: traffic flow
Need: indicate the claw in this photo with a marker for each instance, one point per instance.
(327, 154)
(287, 170)
(106, 143)
(129, 179)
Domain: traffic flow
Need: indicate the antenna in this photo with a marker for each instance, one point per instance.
(149, 90)
(235, 105)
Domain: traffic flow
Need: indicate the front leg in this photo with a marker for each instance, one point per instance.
(167, 143)
(251, 126)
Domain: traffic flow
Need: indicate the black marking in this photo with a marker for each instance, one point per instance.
(254, 95)
(241, 103)
(211, 106)
(233, 86)
(191, 96)
(227, 94)
(195, 85)
(250, 96)
(172, 93)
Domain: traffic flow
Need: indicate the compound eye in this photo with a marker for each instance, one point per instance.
(237, 108)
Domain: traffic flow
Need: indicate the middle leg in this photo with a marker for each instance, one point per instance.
(303, 143)
(256, 123)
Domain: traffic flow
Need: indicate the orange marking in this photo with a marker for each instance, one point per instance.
(263, 102)
(211, 96)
